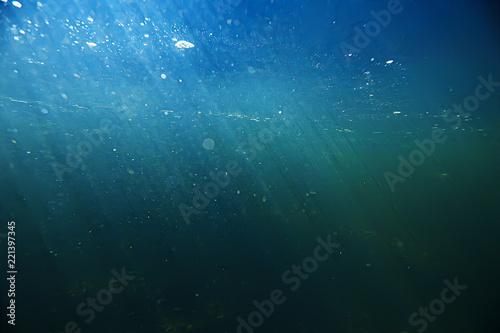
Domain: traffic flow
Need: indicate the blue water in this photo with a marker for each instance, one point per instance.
(250, 166)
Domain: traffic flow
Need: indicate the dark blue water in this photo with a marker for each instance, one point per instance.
(249, 166)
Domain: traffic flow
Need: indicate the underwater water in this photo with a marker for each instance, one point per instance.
(249, 166)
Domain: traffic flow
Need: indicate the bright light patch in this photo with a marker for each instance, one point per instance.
(17, 4)
(182, 44)
(389, 62)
